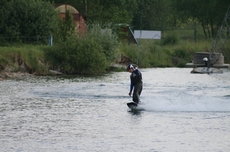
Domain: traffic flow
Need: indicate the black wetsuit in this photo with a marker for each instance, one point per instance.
(136, 82)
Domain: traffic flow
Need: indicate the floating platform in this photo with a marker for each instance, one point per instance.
(198, 60)
(192, 65)
(199, 65)
(206, 70)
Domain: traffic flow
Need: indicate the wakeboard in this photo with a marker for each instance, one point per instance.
(132, 105)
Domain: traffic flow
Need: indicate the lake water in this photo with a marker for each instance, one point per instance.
(184, 112)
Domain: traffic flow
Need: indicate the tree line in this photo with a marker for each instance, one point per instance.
(154, 14)
(38, 17)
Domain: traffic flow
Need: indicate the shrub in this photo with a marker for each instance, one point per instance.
(91, 53)
(27, 18)
(170, 39)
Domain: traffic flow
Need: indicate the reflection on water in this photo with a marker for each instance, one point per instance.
(183, 112)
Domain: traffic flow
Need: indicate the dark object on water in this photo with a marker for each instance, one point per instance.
(203, 70)
(132, 105)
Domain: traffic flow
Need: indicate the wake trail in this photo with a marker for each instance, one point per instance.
(207, 104)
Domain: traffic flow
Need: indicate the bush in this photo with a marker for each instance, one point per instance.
(91, 53)
(170, 39)
(106, 39)
(27, 18)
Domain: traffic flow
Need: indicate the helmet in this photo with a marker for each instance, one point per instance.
(129, 67)
(205, 59)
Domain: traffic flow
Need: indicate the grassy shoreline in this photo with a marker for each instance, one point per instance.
(32, 59)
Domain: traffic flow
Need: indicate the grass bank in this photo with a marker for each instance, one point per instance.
(23, 58)
(153, 53)
(34, 60)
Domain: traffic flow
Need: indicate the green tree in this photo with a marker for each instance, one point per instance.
(104, 11)
(209, 13)
(66, 27)
(117, 11)
(27, 18)
(153, 14)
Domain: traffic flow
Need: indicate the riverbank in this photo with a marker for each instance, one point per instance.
(22, 75)
(14, 75)
(21, 61)
(6, 74)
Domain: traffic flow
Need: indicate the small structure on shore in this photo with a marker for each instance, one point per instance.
(202, 64)
(215, 58)
(81, 26)
(198, 60)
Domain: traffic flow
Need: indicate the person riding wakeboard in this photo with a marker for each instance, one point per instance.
(135, 82)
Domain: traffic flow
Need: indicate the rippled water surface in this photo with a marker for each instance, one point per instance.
(182, 112)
